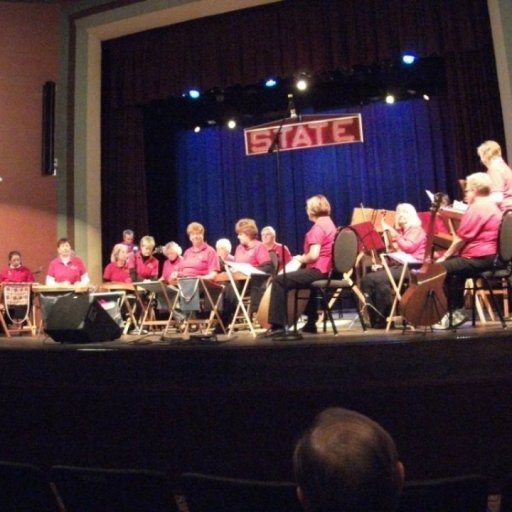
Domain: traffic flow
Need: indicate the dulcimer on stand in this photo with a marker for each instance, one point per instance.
(424, 302)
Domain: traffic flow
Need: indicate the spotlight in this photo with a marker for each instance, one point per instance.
(426, 97)
(194, 94)
(197, 129)
(231, 124)
(408, 58)
(390, 99)
(271, 82)
(301, 84)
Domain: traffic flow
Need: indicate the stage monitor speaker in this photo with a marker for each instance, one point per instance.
(75, 319)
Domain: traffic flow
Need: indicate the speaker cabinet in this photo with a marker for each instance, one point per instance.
(75, 319)
(48, 129)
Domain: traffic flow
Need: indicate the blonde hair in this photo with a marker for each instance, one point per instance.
(410, 213)
(479, 182)
(195, 227)
(488, 150)
(174, 247)
(247, 227)
(147, 240)
(117, 249)
(318, 206)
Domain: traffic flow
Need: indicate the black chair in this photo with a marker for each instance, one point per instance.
(499, 275)
(344, 256)
(26, 488)
(468, 493)
(208, 493)
(118, 490)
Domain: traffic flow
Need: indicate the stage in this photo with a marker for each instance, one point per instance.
(235, 407)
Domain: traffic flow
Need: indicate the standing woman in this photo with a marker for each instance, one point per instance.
(316, 260)
(499, 172)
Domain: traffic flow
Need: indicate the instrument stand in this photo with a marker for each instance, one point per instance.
(275, 148)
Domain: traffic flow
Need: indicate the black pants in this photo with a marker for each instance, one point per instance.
(299, 279)
(459, 269)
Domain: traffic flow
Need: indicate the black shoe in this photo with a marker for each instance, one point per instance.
(310, 328)
(275, 330)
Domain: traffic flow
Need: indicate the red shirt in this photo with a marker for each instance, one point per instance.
(256, 255)
(116, 274)
(277, 248)
(72, 271)
(322, 233)
(501, 177)
(479, 228)
(145, 268)
(170, 267)
(199, 262)
(20, 274)
(413, 241)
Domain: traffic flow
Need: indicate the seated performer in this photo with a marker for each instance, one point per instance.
(173, 253)
(199, 260)
(268, 237)
(499, 172)
(15, 272)
(118, 271)
(317, 258)
(409, 237)
(474, 245)
(252, 251)
(223, 248)
(142, 264)
(127, 242)
(66, 268)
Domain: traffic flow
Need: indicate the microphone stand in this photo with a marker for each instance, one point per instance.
(275, 148)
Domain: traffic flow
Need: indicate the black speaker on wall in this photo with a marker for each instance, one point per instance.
(74, 319)
(48, 129)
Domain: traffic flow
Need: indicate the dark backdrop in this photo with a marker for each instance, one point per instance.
(153, 178)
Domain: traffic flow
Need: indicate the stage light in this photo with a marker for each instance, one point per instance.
(231, 124)
(194, 94)
(426, 97)
(197, 129)
(408, 58)
(390, 99)
(301, 84)
(271, 82)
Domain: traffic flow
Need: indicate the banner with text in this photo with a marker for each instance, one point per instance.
(301, 133)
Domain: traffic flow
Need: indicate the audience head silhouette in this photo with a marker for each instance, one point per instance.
(347, 463)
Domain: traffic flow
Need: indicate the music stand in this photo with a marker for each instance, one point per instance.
(368, 240)
(275, 148)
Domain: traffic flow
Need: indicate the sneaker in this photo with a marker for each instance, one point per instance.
(443, 324)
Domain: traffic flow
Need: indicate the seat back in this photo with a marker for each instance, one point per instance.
(25, 488)
(505, 238)
(207, 493)
(344, 252)
(119, 490)
(467, 493)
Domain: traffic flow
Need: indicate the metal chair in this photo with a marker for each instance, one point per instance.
(344, 256)
(501, 272)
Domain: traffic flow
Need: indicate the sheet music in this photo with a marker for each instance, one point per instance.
(244, 268)
(459, 206)
(403, 258)
(292, 266)
(430, 195)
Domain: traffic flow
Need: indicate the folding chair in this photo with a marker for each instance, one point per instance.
(151, 294)
(200, 295)
(117, 490)
(18, 309)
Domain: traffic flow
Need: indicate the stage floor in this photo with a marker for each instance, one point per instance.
(235, 406)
